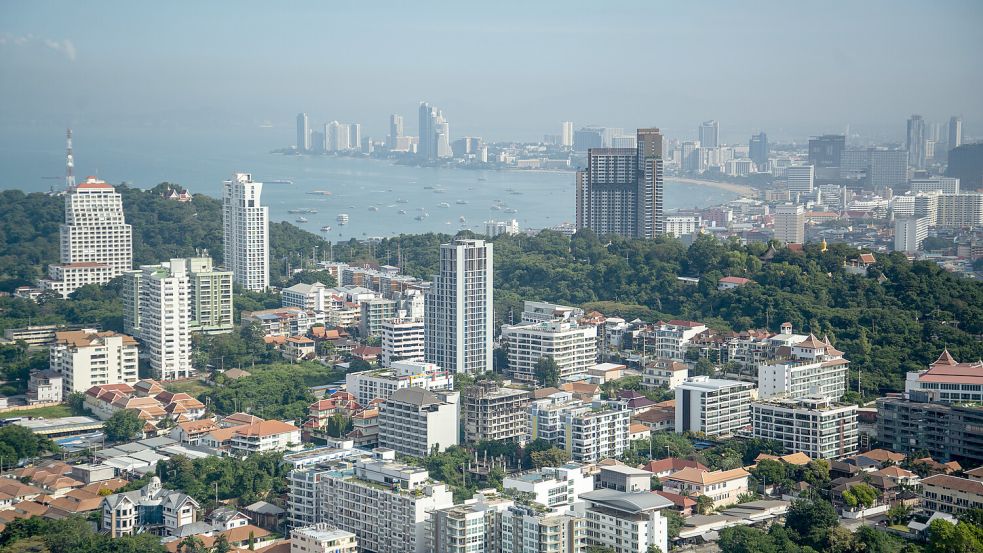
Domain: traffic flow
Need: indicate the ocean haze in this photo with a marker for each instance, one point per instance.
(502, 71)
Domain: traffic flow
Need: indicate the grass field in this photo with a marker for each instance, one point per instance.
(190, 387)
(50, 412)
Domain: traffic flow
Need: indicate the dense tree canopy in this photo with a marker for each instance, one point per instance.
(71, 535)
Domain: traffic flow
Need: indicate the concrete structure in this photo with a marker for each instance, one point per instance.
(815, 426)
(383, 383)
(157, 308)
(722, 486)
(532, 529)
(812, 367)
(800, 178)
(627, 522)
(494, 413)
(498, 228)
(246, 232)
(322, 538)
(552, 487)
(621, 190)
(402, 339)
(401, 499)
(303, 133)
(87, 358)
(915, 142)
(309, 297)
(572, 347)
(623, 478)
(96, 243)
(951, 494)
(209, 296)
(713, 406)
(887, 168)
(909, 233)
(257, 437)
(459, 309)
(960, 210)
(946, 432)
(45, 387)
(944, 185)
(475, 525)
(790, 224)
(681, 225)
(588, 434)
(414, 421)
(758, 151)
(434, 134)
(709, 134)
(375, 313)
(948, 381)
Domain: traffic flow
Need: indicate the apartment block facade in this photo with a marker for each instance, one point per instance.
(817, 427)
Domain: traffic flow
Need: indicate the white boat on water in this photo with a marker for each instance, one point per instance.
(301, 219)
(342, 218)
(326, 228)
(443, 204)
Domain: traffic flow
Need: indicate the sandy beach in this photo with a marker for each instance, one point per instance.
(728, 186)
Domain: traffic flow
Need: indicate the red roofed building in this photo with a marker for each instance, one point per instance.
(731, 282)
(669, 465)
(948, 381)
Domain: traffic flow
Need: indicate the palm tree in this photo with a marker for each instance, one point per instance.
(191, 544)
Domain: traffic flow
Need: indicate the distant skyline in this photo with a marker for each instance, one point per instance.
(504, 71)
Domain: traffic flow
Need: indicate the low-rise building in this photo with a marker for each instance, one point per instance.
(713, 406)
(493, 413)
(665, 373)
(374, 313)
(322, 538)
(623, 478)
(296, 348)
(951, 494)
(815, 426)
(257, 437)
(414, 421)
(87, 358)
(722, 486)
(309, 297)
(44, 387)
(627, 522)
(149, 509)
(552, 486)
(383, 383)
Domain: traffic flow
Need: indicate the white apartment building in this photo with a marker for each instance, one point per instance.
(284, 321)
(814, 367)
(528, 529)
(960, 210)
(414, 421)
(386, 505)
(498, 228)
(96, 243)
(246, 232)
(552, 487)
(800, 178)
(665, 373)
(790, 223)
(627, 522)
(383, 383)
(948, 381)
(494, 413)
(211, 297)
(945, 185)
(815, 426)
(402, 339)
(459, 312)
(670, 340)
(87, 358)
(309, 297)
(681, 225)
(572, 347)
(909, 233)
(588, 434)
(258, 437)
(713, 406)
(157, 307)
(475, 525)
(304, 496)
(322, 538)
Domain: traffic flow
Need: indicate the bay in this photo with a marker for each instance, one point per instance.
(379, 197)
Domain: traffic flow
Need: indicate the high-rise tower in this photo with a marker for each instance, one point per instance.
(915, 142)
(459, 316)
(303, 133)
(246, 232)
(621, 190)
(710, 134)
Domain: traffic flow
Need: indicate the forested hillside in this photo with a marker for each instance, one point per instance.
(886, 326)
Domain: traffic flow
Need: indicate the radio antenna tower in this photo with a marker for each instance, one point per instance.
(69, 164)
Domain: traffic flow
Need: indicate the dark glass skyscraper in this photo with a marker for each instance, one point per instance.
(827, 150)
(758, 150)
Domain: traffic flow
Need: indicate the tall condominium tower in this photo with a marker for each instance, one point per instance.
(246, 228)
(915, 142)
(710, 134)
(955, 132)
(303, 133)
(621, 190)
(164, 309)
(458, 309)
(434, 134)
(790, 224)
(566, 134)
(354, 136)
(827, 150)
(758, 150)
(96, 242)
(336, 137)
(395, 130)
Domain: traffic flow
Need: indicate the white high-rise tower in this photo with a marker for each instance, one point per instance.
(96, 242)
(246, 232)
(165, 318)
(458, 309)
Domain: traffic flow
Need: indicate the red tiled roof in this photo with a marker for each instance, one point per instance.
(672, 464)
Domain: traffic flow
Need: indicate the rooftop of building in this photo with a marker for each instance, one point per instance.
(702, 477)
(88, 337)
(629, 502)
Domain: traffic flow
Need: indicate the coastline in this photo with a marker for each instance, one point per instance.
(741, 189)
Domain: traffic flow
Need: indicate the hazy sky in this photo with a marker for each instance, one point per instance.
(498, 69)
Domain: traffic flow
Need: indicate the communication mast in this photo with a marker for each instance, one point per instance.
(69, 164)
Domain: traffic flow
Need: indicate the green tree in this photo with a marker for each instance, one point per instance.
(674, 521)
(18, 442)
(810, 518)
(744, 539)
(552, 457)
(899, 514)
(192, 544)
(704, 505)
(221, 544)
(945, 537)
(124, 425)
(547, 372)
